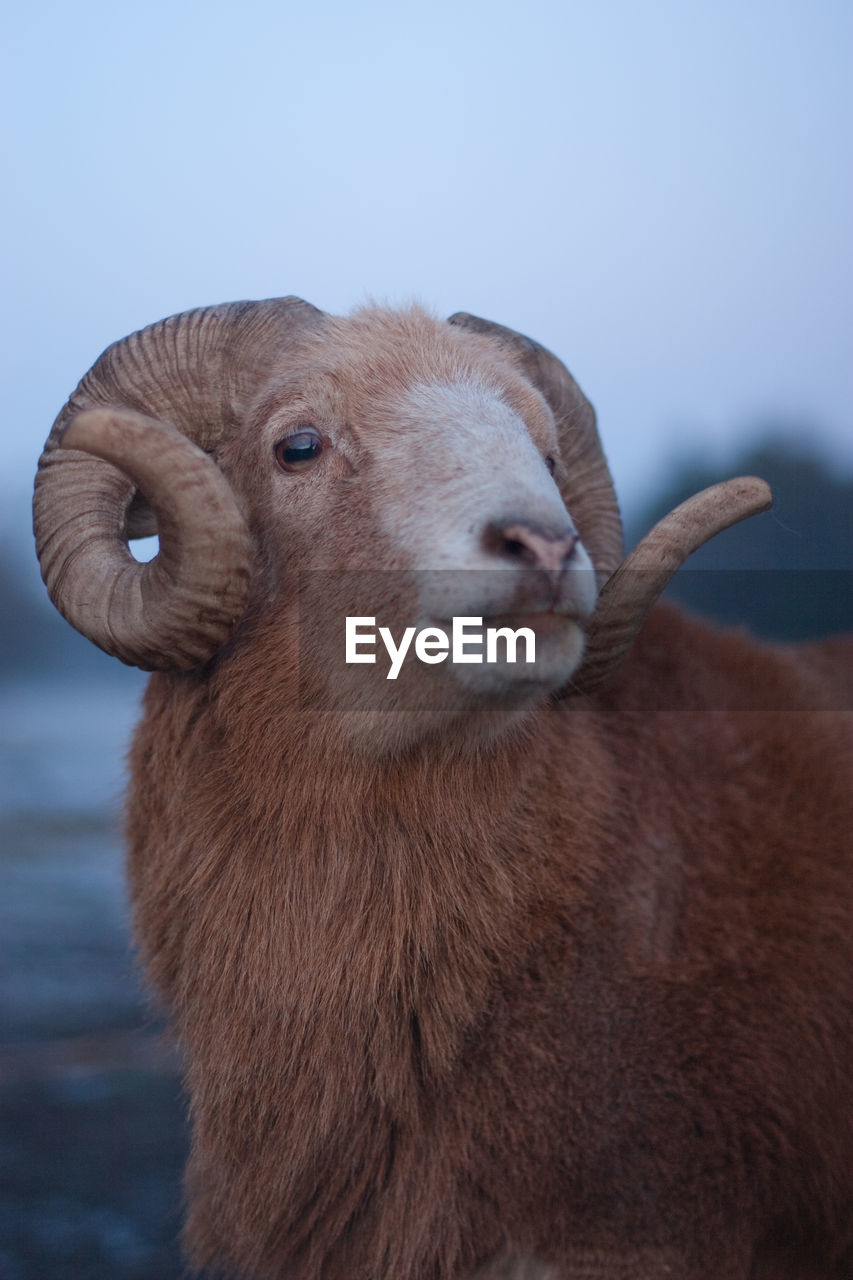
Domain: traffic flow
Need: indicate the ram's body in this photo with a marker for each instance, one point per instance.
(562, 989)
(587, 990)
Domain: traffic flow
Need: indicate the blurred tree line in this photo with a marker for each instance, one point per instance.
(787, 574)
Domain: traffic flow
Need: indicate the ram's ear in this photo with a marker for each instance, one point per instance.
(585, 481)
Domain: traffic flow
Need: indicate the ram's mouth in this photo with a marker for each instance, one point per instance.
(544, 622)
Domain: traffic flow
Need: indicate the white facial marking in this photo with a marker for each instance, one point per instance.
(458, 469)
(462, 459)
(469, 459)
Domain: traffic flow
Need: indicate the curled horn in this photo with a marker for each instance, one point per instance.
(629, 588)
(129, 455)
(629, 595)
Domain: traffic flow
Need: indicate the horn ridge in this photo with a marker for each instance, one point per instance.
(630, 593)
(172, 391)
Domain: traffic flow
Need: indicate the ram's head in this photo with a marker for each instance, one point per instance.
(261, 440)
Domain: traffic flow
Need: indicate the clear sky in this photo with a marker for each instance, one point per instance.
(660, 190)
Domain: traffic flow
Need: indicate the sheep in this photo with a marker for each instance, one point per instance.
(533, 971)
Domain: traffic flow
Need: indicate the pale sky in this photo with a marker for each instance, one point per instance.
(659, 191)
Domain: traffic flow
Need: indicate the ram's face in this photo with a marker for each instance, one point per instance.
(302, 469)
(414, 499)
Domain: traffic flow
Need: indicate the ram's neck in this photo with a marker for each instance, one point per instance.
(313, 886)
(329, 931)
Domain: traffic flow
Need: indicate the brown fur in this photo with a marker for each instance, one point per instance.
(582, 992)
(541, 993)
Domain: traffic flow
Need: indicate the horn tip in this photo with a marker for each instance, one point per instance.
(753, 493)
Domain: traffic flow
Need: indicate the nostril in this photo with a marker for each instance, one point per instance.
(512, 547)
(493, 540)
(530, 544)
(504, 541)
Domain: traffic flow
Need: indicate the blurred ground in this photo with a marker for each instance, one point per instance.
(92, 1119)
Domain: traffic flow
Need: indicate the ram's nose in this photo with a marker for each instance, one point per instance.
(530, 544)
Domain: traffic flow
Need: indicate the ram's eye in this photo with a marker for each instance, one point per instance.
(296, 452)
(551, 465)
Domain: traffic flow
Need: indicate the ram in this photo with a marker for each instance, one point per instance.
(490, 970)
